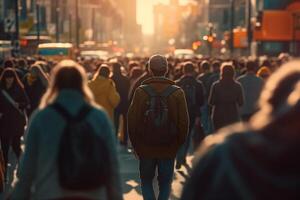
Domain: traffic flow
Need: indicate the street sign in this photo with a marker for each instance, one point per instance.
(9, 25)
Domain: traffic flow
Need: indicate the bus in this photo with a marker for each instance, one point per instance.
(56, 51)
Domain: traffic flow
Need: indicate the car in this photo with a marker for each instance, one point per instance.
(95, 54)
(184, 53)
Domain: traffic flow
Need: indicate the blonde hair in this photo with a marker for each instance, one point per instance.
(67, 75)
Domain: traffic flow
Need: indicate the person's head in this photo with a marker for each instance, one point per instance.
(251, 66)
(205, 66)
(9, 77)
(22, 63)
(9, 64)
(102, 71)
(216, 66)
(227, 71)
(116, 67)
(264, 73)
(276, 91)
(133, 64)
(67, 75)
(135, 73)
(35, 70)
(158, 65)
(188, 68)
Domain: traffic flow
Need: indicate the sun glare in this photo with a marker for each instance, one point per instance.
(145, 15)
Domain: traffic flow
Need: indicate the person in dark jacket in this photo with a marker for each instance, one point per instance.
(205, 77)
(122, 86)
(215, 75)
(226, 96)
(161, 155)
(13, 101)
(35, 82)
(259, 160)
(194, 94)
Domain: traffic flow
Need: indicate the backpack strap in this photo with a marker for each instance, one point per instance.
(169, 90)
(149, 90)
(66, 115)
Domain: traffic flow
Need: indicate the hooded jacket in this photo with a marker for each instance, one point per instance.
(105, 94)
(178, 113)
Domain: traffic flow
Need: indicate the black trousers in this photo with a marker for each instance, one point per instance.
(10, 141)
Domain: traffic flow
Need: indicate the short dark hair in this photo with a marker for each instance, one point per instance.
(116, 66)
(188, 67)
(9, 64)
(216, 65)
(227, 71)
(159, 73)
(205, 65)
(251, 65)
(104, 71)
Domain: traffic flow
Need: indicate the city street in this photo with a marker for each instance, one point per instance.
(130, 177)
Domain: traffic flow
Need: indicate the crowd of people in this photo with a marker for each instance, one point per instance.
(161, 108)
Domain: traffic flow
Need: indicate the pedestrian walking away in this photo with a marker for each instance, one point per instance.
(158, 125)
(73, 155)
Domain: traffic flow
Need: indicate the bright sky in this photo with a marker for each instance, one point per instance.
(145, 13)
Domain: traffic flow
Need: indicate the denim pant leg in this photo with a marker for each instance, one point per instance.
(183, 150)
(165, 178)
(147, 173)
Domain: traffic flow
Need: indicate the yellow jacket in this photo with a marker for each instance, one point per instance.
(105, 94)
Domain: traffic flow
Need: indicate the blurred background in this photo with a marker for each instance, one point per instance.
(141, 27)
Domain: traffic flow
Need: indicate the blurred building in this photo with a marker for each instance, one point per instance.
(175, 25)
(131, 32)
(99, 20)
(277, 27)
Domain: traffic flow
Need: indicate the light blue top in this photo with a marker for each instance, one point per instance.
(38, 172)
(252, 86)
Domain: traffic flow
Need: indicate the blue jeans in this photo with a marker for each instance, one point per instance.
(165, 168)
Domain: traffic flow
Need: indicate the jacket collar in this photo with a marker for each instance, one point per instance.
(159, 79)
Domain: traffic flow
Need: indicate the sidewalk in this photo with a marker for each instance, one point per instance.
(130, 177)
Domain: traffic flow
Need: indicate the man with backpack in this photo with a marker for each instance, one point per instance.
(157, 125)
(194, 94)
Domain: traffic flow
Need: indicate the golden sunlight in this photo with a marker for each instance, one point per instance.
(145, 15)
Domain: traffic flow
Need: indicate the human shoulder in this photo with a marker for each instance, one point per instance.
(98, 112)
(222, 140)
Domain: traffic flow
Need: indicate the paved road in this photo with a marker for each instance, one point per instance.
(130, 177)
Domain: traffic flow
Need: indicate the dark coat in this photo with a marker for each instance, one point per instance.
(205, 79)
(34, 93)
(12, 122)
(194, 110)
(225, 97)
(122, 86)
